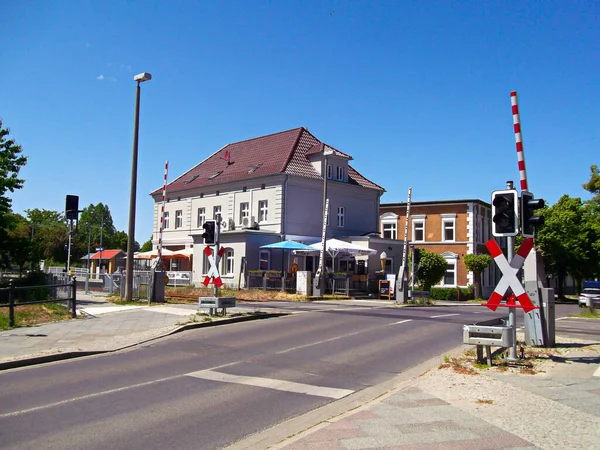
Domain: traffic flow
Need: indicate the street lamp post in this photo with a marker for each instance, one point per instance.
(140, 78)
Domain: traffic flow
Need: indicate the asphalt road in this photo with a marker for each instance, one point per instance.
(207, 388)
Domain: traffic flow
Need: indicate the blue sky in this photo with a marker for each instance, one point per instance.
(417, 92)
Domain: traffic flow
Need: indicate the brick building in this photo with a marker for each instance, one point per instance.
(451, 228)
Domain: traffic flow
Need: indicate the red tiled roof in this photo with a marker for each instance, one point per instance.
(107, 254)
(284, 152)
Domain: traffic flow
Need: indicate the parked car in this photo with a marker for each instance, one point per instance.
(590, 296)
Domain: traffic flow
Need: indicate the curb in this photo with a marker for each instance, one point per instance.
(79, 354)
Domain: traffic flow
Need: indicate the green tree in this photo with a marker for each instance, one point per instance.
(477, 264)
(147, 245)
(119, 240)
(432, 268)
(20, 245)
(565, 240)
(95, 223)
(11, 162)
(593, 185)
(50, 234)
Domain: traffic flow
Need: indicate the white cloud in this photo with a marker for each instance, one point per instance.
(100, 77)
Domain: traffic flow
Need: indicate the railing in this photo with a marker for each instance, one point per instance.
(274, 281)
(59, 292)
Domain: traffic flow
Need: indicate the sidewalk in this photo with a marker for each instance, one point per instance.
(103, 327)
(558, 407)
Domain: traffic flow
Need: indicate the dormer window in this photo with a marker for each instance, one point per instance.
(215, 175)
(329, 172)
(254, 168)
(340, 173)
(190, 180)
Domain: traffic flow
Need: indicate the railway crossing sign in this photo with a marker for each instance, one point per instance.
(213, 276)
(509, 276)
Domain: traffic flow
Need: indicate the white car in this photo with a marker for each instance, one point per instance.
(590, 296)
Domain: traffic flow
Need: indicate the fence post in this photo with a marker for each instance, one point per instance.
(74, 302)
(11, 304)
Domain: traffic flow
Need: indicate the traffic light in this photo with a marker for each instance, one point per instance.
(528, 220)
(208, 237)
(505, 213)
(416, 257)
(72, 207)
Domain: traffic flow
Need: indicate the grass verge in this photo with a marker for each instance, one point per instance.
(27, 315)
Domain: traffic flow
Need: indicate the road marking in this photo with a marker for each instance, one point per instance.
(86, 397)
(444, 315)
(270, 383)
(402, 321)
(597, 372)
(319, 342)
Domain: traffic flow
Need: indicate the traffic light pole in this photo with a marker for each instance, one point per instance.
(512, 312)
(217, 248)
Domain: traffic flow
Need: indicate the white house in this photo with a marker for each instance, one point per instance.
(269, 189)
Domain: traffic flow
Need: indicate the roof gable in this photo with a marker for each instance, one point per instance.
(107, 254)
(284, 152)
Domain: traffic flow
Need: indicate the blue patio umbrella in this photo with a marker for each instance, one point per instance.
(289, 245)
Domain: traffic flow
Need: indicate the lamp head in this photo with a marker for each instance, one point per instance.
(141, 77)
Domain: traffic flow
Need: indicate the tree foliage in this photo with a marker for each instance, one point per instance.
(147, 246)
(11, 161)
(568, 240)
(477, 264)
(432, 268)
(593, 185)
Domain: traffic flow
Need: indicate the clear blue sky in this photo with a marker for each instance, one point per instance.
(417, 92)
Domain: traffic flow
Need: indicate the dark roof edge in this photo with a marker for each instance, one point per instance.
(158, 190)
(434, 202)
(294, 149)
(360, 174)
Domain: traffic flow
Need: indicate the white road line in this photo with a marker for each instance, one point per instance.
(86, 397)
(319, 342)
(444, 315)
(270, 383)
(402, 321)
(597, 372)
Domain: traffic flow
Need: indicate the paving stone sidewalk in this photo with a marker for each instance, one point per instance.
(101, 326)
(557, 408)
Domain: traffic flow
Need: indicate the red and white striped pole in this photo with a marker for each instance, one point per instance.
(162, 213)
(519, 139)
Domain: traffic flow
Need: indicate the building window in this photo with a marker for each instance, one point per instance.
(264, 260)
(390, 231)
(340, 173)
(244, 211)
(178, 218)
(340, 216)
(201, 217)
(418, 230)
(263, 210)
(448, 227)
(227, 264)
(450, 275)
(166, 220)
(329, 172)
(216, 211)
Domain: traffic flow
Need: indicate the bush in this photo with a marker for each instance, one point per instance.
(450, 293)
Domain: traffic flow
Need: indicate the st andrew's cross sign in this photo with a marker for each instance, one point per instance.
(509, 275)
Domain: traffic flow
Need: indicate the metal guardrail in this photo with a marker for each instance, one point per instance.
(56, 290)
(488, 333)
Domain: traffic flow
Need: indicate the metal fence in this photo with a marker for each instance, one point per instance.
(32, 295)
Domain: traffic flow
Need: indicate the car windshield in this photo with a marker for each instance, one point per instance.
(591, 291)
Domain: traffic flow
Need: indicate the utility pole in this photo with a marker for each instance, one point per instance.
(87, 260)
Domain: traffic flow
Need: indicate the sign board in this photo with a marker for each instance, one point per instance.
(384, 289)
